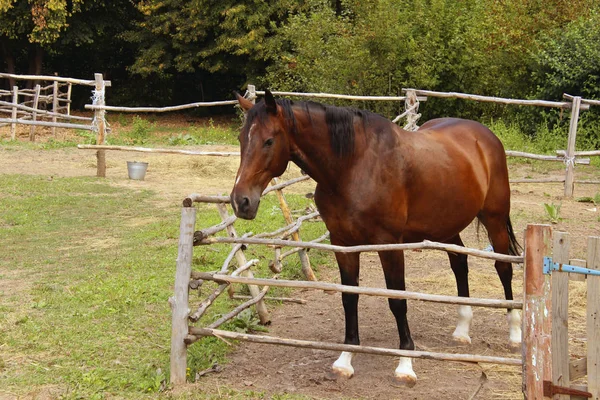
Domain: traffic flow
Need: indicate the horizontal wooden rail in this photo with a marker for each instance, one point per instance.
(470, 358)
(511, 153)
(43, 112)
(161, 109)
(52, 78)
(562, 153)
(200, 198)
(157, 150)
(584, 101)
(334, 287)
(490, 99)
(341, 96)
(426, 244)
(44, 123)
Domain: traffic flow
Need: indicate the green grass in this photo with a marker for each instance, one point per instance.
(85, 273)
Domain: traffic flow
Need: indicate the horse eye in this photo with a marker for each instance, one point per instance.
(268, 143)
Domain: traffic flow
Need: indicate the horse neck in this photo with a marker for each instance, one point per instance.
(311, 150)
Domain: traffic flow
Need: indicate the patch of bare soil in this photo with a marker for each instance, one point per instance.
(272, 369)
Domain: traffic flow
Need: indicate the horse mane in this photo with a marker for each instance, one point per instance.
(339, 120)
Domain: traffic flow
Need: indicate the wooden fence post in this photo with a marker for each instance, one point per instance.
(593, 318)
(536, 348)
(252, 93)
(287, 215)
(54, 106)
(69, 88)
(100, 125)
(13, 126)
(179, 301)
(570, 155)
(560, 315)
(36, 99)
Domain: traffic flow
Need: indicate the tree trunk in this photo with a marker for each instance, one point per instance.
(36, 58)
(9, 60)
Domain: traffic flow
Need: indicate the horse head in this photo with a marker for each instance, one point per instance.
(264, 150)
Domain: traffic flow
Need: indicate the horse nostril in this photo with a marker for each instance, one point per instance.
(245, 202)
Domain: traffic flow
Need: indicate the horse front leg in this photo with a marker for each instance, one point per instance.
(349, 264)
(393, 269)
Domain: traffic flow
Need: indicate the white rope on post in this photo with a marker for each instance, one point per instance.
(411, 104)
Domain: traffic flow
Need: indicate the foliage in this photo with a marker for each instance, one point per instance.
(553, 212)
(247, 322)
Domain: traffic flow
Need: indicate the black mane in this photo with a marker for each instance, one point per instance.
(339, 120)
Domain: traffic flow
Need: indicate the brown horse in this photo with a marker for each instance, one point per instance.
(377, 184)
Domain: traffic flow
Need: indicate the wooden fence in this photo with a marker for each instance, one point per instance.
(412, 100)
(42, 105)
(545, 358)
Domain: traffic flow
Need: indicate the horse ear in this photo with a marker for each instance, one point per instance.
(244, 102)
(270, 102)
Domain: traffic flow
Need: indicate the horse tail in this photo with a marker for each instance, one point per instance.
(514, 248)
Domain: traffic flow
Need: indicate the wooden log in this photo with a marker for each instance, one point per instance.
(103, 107)
(44, 112)
(489, 99)
(287, 215)
(593, 318)
(99, 122)
(50, 78)
(470, 358)
(392, 294)
(591, 153)
(536, 341)
(206, 303)
(45, 123)
(179, 301)
(157, 150)
(588, 181)
(287, 230)
(426, 244)
(586, 101)
(542, 157)
(317, 240)
(340, 96)
(199, 198)
(34, 113)
(570, 155)
(281, 299)
(54, 105)
(560, 314)
(539, 180)
(239, 309)
(261, 307)
(204, 233)
(13, 126)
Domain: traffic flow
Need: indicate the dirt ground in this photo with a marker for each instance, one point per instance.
(271, 369)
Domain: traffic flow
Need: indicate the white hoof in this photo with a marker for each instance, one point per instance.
(514, 328)
(404, 374)
(463, 326)
(342, 367)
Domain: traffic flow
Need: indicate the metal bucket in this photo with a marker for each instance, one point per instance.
(137, 170)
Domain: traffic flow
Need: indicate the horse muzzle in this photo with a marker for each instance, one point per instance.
(244, 206)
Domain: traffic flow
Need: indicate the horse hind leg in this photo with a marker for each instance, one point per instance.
(500, 234)
(349, 265)
(393, 268)
(459, 265)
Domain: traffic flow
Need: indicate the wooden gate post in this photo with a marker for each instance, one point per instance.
(537, 313)
(179, 302)
(560, 315)
(570, 155)
(54, 106)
